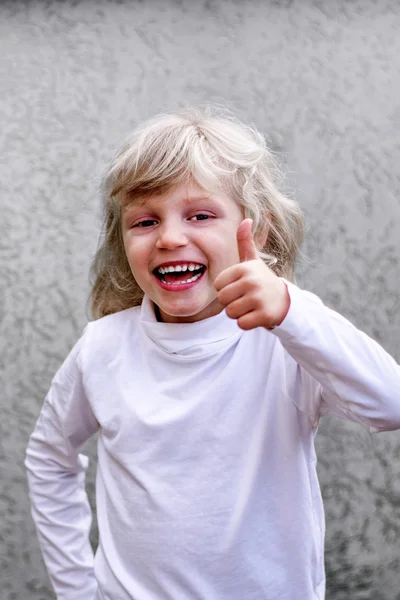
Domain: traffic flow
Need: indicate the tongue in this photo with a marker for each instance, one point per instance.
(177, 277)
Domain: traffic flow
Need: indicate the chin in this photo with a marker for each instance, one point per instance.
(184, 311)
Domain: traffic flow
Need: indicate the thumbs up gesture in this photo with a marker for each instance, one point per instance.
(249, 290)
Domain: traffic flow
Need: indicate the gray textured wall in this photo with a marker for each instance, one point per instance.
(322, 79)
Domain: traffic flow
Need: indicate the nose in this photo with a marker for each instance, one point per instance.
(170, 236)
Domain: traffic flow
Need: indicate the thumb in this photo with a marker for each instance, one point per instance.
(246, 246)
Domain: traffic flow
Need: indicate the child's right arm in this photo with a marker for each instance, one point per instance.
(56, 478)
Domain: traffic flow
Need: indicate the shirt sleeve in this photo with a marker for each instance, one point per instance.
(56, 480)
(357, 379)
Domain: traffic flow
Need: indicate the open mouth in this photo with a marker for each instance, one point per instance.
(179, 274)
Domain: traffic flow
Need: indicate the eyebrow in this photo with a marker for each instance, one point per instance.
(197, 198)
(138, 203)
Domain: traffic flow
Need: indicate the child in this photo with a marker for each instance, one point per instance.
(205, 375)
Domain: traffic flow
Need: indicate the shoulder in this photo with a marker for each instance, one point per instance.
(109, 333)
(115, 321)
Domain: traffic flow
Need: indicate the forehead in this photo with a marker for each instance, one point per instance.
(187, 192)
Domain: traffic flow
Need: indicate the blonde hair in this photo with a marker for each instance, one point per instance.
(216, 151)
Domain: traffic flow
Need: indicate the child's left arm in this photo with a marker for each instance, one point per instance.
(359, 380)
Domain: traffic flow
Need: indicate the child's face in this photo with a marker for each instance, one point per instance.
(191, 236)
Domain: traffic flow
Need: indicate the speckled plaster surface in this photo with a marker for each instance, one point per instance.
(323, 80)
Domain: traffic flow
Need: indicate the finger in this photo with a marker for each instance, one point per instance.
(250, 320)
(231, 292)
(228, 276)
(239, 308)
(246, 246)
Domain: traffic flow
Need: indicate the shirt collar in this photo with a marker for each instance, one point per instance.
(191, 340)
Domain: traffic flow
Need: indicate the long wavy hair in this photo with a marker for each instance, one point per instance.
(215, 150)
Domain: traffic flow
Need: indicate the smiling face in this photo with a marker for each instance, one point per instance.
(176, 245)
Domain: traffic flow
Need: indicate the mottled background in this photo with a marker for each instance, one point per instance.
(322, 79)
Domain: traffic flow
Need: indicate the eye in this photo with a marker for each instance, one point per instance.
(145, 223)
(200, 217)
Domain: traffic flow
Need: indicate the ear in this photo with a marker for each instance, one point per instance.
(261, 236)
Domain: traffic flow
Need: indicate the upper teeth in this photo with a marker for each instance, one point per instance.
(177, 268)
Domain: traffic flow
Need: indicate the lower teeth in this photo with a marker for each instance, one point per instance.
(182, 282)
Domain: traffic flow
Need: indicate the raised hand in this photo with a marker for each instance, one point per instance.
(249, 290)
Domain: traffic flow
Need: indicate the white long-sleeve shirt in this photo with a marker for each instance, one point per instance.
(206, 479)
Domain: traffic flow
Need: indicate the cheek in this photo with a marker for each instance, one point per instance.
(222, 258)
(226, 251)
(137, 254)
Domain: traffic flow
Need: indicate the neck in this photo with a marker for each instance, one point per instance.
(158, 314)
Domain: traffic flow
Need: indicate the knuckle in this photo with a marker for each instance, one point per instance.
(244, 324)
(225, 294)
(222, 297)
(253, 282)
(231, 311)
(217, 283)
